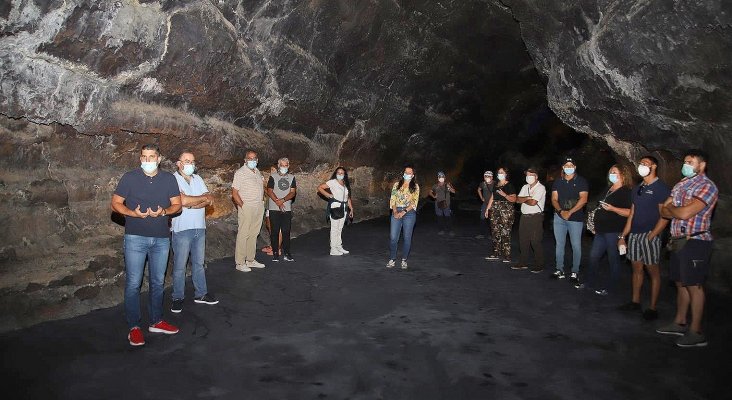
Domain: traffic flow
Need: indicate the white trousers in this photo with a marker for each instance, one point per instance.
(336, 228)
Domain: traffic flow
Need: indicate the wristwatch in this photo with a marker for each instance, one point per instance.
(621, 237)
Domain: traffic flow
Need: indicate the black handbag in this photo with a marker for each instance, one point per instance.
(340, 211)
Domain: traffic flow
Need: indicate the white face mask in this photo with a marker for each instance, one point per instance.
(488, 180)
(501, 177)
(283, 170)
(644, 170)
(407, 177)
(188, 169)
(530, 179)
(149, 166)
(441, 180)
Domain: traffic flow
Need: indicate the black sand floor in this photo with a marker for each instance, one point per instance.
(453, 326)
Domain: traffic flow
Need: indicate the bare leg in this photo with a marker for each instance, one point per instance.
(697, 307)
(655, 273)
(682, 304)
(637, 280)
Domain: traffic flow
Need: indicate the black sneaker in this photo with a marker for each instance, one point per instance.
(557, 275)
(536, 269)
(207, 298)
(177, 306)
(288, 257)
(650, 315)
(630, 306)
(275, 258)
(519, 266)
(574, 278)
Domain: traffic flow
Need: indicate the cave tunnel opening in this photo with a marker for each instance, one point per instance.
(461, 86)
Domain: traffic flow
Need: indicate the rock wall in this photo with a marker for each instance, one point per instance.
(645, 77)
(366, 84)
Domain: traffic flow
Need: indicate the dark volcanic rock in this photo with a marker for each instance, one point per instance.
(365, 84)
(645, 76)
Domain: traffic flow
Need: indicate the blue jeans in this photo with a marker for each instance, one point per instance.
(404, 224)
(604, 243)
(561, 227)
(193, 242)
(137, 249)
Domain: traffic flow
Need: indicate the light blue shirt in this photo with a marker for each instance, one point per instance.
(190, 218)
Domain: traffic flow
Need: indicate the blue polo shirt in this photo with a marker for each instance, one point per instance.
(646, 199)
(190, 218)
(147, 192)
(569, 190)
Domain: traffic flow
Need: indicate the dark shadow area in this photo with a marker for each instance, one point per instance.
(452, 326)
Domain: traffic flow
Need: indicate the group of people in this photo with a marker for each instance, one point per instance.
(630, 220)
(161, 208)
(158, 206)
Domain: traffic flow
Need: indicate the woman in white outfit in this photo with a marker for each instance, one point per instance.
(340, 192)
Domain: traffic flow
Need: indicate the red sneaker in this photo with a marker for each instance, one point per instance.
(135, 337)
(163, 327)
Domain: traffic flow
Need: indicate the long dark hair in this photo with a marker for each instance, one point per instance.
(412, 183)
(345, 179)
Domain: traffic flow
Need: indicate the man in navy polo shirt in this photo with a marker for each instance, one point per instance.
(146, 197)
(643, 229)
(569, 196)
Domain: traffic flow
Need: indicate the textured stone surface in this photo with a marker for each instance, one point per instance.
(642, 75)
(366, 84)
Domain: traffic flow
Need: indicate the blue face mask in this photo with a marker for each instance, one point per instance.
(612, 178)
(569, 171)
(283, 170)
(252, 164)
(407, 177)
(149, 166)
(188, 169)
(688, 171)
(340, 177)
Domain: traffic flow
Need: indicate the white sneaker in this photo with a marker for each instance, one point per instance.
(242, 268)
(390, 264)
(335, 252)
(255, 264)
(343, 251)
(404, 264)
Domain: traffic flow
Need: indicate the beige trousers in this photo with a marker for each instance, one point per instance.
(250, 222)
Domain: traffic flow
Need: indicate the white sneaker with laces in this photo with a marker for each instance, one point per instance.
(404, 264)
(343, 251)
(256, 264)
(242, 267)
(390, 264)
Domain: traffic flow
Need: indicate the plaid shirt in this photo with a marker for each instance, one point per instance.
(697, 187)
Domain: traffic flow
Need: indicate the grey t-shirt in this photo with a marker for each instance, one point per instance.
(441, 193)
(281, 185)
(487, 190)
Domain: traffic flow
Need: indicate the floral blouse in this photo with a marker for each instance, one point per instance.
(402, 197)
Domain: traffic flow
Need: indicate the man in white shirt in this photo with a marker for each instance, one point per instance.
(189, 233)
(532, 198)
